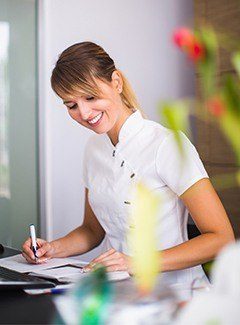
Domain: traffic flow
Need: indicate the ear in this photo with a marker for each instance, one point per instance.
(117, 81)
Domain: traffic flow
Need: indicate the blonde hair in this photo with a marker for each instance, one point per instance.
(78, 68)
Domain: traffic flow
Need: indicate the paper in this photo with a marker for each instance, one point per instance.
(112, 276)
(18, 263)
(73, 274)
(118, 276)
(62, 274)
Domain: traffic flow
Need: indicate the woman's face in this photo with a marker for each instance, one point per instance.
(99, 114)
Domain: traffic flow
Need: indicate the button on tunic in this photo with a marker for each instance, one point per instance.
(146, 152)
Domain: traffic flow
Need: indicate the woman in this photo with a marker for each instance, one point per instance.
(124, 149)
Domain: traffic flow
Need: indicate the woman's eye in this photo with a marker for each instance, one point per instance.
(73, 106)
(90, 98)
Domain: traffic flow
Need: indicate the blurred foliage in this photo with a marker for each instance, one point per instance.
(175, 115)
(207, 65)
(142, 238)
(219, 101)
(236, 62)
(93, 295)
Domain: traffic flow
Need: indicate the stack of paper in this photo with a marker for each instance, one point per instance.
(65, 274)
(55, 268)
(61, 269)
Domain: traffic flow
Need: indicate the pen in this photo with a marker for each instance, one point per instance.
(46, 291)
(34, 241)
(57, 291)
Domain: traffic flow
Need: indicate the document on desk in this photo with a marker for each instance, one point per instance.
(18, 263)
(65, 274)
(55, 268)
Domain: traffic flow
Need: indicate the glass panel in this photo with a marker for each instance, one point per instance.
(4, 102)
(18, 120)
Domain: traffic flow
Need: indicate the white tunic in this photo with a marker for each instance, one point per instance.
(146, 151)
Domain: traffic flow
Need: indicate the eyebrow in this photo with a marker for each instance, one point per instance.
(67, 101)
(72, 101)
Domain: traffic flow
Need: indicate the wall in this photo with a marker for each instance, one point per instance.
(137, 34)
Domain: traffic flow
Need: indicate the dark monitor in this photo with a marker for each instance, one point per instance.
(10, 279)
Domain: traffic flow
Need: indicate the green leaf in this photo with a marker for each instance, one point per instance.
(231, 128)
(175, 116)
(236, 62)
(207, 67)
(231, 93)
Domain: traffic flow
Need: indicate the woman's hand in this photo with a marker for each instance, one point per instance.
(44, 252)
(112, 260)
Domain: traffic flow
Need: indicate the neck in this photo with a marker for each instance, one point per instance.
(114, 132)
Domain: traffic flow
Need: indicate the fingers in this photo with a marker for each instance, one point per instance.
(98, 259)
(40, 242)
(104, 255)
(112, 260)
(27, 249)
(108, 260)
(115, 265)
(34, 261)
(114, 268)
(29, 259)
(43, 252)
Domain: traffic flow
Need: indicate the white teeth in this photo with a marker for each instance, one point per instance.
(95, 119)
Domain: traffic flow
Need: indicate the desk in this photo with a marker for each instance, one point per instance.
(16, 307)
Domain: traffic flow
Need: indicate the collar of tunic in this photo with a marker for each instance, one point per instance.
(133, 124)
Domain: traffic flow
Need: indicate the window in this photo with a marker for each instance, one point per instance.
(4, 104)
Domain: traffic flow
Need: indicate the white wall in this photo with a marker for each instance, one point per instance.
(137, 34)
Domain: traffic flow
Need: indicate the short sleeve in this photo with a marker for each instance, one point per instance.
(179, 170)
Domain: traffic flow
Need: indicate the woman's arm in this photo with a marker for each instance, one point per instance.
(211, 219)
(81, 240)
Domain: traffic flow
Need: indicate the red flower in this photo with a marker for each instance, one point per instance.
(183, 37)
(186, 39)
(196, 52)
(216, 106)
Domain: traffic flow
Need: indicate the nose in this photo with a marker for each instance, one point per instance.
(84, 110)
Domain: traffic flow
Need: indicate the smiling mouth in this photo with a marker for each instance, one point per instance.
(96, 119)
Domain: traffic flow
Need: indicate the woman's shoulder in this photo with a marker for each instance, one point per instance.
(163, 133)
(155, 132)
(157, 127)
(161, 137)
